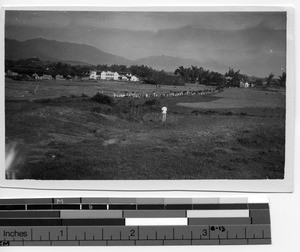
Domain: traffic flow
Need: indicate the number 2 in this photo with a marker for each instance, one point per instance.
(132, 232)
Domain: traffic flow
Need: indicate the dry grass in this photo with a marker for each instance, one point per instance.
(76, 138)
(242, 98)
(54, 89)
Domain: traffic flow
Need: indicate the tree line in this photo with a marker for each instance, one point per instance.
(196, 74)
(147, 74)
(231, 78)
(28, 67)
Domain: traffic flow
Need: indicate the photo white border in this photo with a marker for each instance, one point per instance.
(284, 185)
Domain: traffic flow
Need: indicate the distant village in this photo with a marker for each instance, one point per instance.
(34, 70)
(102, 75)
(94, 75)
(108, 75)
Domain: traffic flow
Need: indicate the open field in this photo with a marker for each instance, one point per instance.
(245, 98)
(234, 134)
(53, 89)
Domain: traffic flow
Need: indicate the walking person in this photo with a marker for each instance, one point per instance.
(164, 113)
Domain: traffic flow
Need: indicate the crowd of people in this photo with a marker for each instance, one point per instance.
(171, 93)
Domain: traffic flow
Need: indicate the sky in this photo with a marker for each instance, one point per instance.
(254, 42)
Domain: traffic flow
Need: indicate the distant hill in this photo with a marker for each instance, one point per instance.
(167, 63)
(76, 63)
(52, 50)
(82, 54)
(170, 64)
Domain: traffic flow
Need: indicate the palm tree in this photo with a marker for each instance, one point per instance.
(183, 72)
(270, 79)
(236, 77)
(194, 72)
(282, 79)
(180, 70)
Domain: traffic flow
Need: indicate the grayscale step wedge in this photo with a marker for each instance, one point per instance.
(119, 221)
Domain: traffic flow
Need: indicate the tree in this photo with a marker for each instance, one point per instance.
(269, 79)
(194, 73)
(236, 77)
(161, 77)
(202, 74)
(103, 67)
(183, 72)
(215, 78)
(204, 77)
(141, 71)
(258, 82)
(282, 79)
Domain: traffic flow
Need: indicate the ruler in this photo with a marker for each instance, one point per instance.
(133, 221)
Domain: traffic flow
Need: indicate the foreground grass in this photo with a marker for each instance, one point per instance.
(77, 138)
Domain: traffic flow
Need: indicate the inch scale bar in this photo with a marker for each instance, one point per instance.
(180, 222)
(136, 235)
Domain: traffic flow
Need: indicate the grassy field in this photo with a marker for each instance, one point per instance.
(53, 89)
(58, 133)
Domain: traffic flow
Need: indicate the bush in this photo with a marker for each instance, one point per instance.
(161, 77)
(22, 77)
(103, 99)
(129, 109)
(151, 102)
(149, 81)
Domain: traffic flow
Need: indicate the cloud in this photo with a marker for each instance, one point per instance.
(39, 19)
(232, 38)
(155, 21)
(146, 21)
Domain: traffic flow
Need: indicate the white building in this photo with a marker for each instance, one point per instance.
(11, 73)
(134, 78)
(94, 75)
(109, 75)
(47, 77)
(123, 78)
(244, 84)
(37, 77)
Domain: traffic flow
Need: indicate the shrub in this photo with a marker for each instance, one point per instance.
(103, 99)
(150, 81)
(151, 102)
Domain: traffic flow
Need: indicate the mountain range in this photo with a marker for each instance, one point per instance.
(72, 53)
(52, 50)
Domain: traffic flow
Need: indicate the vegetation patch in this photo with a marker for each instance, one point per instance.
(124, 138)
(103, 99)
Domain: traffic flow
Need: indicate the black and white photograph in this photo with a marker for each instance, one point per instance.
(145, 95)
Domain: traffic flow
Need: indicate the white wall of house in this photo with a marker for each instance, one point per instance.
(93, 75)
(103, 75)
(47, 77)
(116, 76)
(134, 78)
(37, 77)
(109, 75)
(124, 78)
(11, 73)
(244, 84)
